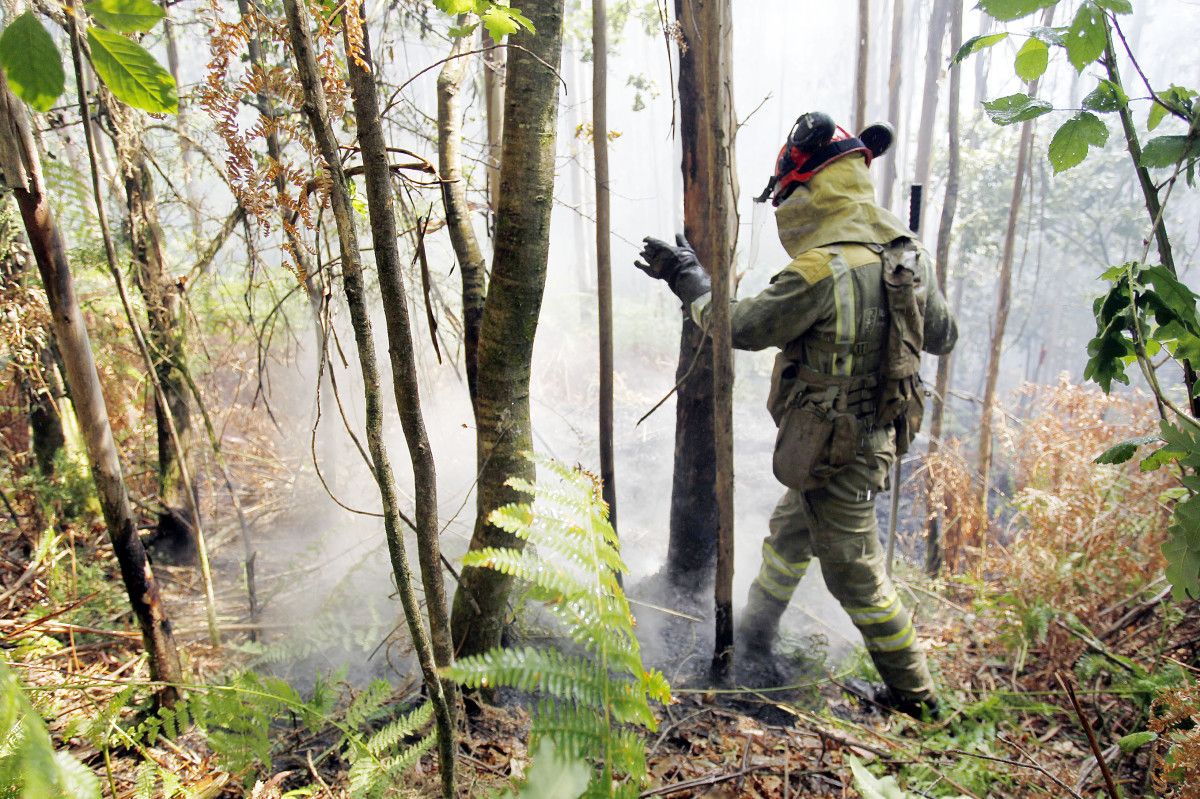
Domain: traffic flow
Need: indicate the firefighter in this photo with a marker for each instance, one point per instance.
(851, 314)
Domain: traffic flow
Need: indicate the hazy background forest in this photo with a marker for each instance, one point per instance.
(299, 674)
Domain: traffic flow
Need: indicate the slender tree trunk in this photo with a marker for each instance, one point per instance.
(495, 69)
(471, 264)
(510, 315)
(929, 92)
(316, 111)
(608, 473)
(862, 71)
(895, 81)
(710, 222)
(23, 174)
(191, 186)
(933, 543)
(389, 266)
(1003, 297)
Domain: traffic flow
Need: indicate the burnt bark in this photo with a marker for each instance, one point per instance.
(504, 429)
(21, 165)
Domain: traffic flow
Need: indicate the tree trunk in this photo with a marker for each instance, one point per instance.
(495, 69)
(471, 265)
(608, 475)
(933, 544)
(895, 81)
(1003, 297)
(389, 266)
(862, 71)
(510, 315)
(710, 224)
(316, 110)
(21, 165)
(929, 92)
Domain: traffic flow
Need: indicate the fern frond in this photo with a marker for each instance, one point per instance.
(563, 676)
(525, 565)
(368, 704)
(392, 733)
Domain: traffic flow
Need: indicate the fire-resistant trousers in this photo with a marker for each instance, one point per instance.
(836, 524)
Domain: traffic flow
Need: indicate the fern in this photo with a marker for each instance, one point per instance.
(595, 700)
(30, 768)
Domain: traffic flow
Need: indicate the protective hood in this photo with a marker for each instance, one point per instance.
(836, 206)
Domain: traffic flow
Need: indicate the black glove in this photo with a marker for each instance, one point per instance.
(677, 265)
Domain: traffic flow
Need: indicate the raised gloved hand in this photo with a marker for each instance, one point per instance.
(677, 265)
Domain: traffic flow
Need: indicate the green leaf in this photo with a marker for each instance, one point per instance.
(31, 62)
(501, 21)
(464, 31)
(1116, 6)
(1086, 36)
(1008, 10)
(1166, 151)
(1159, 458)
(1070, 144)
(131, 73)
(1177, 97)
(554, 775)
(126, 16)
(1032, 60)
(455, 7)
(1124, 450)
(1136, 740)
(871, 787)
(977, 43)
(1107, 96)
(1016, 108)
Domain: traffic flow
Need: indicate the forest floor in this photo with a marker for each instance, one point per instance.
(1069, 595)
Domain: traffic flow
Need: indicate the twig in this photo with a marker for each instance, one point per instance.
(1109, 783)
(1018, 764)
(701, 782)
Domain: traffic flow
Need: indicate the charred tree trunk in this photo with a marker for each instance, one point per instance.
(895, 82)
(862, 71)
(608, 474)
(45, 406)
(929, 92)
(471, 265)
(23, 174)
(933, 542)
(317, 113)
(510, 315)
(710, 224)
(389, 266)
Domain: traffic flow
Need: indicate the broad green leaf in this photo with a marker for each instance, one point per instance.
(977, 43)
(501, 21)
(1176, 97)
(465, 30)
(31, 62)
(1107, 96)
(1008, 10)
(1016, 108)
(871, 787)
(1070, 144)
(1032, 60)
(1166, 151)
(1086, 36)
(1136, 740)
(1054, 36)
(131, 73)
(555, 775)
(126, 16)
(1116, 6)
(1124, 450)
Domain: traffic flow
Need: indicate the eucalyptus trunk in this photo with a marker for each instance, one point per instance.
(472, 267)
(863, 67)
(895, 83)
(21, 165)
(604, 299)
(504, 429)
(929, 92)
(933, 541)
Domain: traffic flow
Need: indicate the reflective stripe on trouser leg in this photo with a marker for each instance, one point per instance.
(778, 577)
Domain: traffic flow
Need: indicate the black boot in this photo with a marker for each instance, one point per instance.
(922, 707)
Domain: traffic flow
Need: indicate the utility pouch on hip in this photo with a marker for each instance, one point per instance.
(817, 437)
